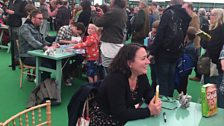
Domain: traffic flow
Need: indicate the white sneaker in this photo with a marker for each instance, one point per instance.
(35, 81)
(68, 83)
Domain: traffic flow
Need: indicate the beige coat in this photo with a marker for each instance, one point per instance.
(195, 22)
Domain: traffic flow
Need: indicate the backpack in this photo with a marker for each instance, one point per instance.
(183, 68)
(174, 41)
(184, 65)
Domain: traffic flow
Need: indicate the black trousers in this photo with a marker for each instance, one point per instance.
(70, 68)
(182, 86)
(31, 61)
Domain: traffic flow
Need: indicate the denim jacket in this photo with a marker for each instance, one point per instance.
(30, 39)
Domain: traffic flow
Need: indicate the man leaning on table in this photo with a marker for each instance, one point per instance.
(30, 38)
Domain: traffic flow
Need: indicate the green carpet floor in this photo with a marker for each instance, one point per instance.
(13, 99)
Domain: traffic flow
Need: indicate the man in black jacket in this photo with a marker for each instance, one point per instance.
(63, 15)
(141, 23)
(15, 12)
(168, 45)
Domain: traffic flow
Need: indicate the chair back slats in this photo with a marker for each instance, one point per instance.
(14, 122)
(26, 118)
(39, 115)
(34, 114)
(25, 69)
(48, 113)
(20, 121)
(33, 118)
(42, 124)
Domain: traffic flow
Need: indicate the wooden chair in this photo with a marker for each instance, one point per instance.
(32, 116)
(25, 69)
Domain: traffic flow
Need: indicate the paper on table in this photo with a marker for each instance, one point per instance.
(78, 39)
(80, 51)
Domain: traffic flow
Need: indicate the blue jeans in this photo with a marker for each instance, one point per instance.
(165, 73)
(13, 33)
(44, 62)
(91, 68)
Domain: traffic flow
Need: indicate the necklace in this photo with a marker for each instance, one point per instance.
(133, 89)
(133, 84)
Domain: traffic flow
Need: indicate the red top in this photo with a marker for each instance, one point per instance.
(91, 45)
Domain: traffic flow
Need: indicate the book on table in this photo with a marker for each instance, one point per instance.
(203, 35)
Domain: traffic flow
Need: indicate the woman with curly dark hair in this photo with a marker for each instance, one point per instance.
(124, 89)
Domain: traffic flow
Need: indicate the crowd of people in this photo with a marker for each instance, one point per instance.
(167, 35)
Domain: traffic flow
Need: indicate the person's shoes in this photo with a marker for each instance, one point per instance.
(68, 82)
(16, 64)
(71, 78)
(30, 78)
(194, 78)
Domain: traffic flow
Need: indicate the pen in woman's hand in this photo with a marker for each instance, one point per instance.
(164, 117)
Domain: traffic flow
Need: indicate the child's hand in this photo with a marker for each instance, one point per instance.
(72, 47)
(74, 41)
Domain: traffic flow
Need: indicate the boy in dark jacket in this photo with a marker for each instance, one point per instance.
(190, 51)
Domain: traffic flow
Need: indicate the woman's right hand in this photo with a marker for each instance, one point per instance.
(155, 108)
(74, 42)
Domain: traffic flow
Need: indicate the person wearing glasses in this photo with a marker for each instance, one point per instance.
(30, 38)
(213, 48)
(211, 97)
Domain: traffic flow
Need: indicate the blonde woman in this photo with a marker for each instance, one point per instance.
(214, 46)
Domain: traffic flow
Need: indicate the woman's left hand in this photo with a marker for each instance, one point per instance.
(55, 45)
(155, 108)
